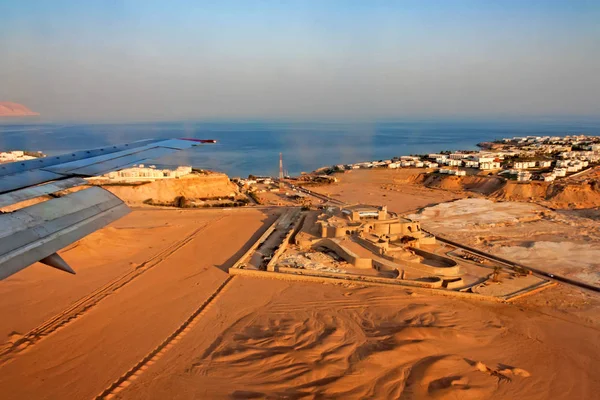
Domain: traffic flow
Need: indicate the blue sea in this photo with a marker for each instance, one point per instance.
(254, 147)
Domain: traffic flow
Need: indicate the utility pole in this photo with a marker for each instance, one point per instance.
(281, 189)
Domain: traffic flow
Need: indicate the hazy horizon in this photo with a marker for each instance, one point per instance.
(135, 61)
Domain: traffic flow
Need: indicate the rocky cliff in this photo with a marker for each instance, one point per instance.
(166, 190)
(559, 194)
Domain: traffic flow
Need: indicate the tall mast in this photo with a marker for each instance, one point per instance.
(281, 172)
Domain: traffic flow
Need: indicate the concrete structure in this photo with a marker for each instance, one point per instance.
(371, 222)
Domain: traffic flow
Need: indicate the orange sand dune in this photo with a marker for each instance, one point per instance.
(90, 347)
(254, 338)
(296, 340)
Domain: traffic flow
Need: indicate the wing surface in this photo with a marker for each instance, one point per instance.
(37, 232)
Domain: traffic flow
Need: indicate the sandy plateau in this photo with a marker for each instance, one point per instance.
(298, 340)
(153, 314)
(559, 242)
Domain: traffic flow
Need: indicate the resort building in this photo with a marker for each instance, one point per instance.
(150, 173)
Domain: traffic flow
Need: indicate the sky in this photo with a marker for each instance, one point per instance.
(111, 60)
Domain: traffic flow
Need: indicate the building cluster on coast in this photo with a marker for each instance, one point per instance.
(18, 155)
(140, 173)
(522, 158)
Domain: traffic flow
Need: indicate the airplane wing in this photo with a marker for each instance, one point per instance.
(37, 232)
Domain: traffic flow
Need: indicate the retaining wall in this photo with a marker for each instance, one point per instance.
(347, 254)
(336, 280)
(282, 247)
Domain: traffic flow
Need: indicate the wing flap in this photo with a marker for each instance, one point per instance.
(99, 168)
(41, 230)
(25, 179)
(105, 163)
(36, 191)
(16, 167)
(37, 232)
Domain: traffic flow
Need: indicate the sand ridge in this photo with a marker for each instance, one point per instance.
(89, 352)
(185, 329)
(344, 341)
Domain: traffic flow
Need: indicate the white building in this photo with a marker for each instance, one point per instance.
(436, 156)
(471, 164)
(482, 158)
(489, 165)
(409, 158)
(544, 163)
(141, 172)
(458, 156)
(524, 164)
(548, 177)
(560, 172)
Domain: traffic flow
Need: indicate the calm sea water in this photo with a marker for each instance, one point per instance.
(253, 148)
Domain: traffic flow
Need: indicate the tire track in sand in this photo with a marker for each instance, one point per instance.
(83, 305)
(128, 377)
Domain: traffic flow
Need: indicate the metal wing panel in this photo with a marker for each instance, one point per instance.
(105, 163)
(67, 167)
(34, 233)
(37, 232)
(118, 163)
(21, 166)
(26, 178)
(51, 210)
(41, 190)
(36, 251)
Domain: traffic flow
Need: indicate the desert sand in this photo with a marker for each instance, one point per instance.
(85, 348)
(393, 188)
(385, 185)
(152, 313)
(297, 340)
